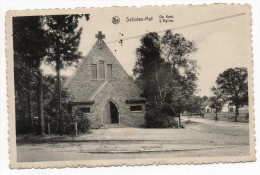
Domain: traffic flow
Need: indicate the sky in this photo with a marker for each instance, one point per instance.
(221, 44)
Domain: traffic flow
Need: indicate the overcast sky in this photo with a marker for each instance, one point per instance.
(222, 44)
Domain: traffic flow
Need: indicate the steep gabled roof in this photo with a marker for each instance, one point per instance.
(83, 88)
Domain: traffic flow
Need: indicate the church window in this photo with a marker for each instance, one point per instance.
(94, 71)
(109, 71)
(85, 110)
(136, 108)
(102, 69)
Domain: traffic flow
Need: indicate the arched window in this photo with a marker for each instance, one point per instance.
(101, 69)
(109, 71)
(93, 71)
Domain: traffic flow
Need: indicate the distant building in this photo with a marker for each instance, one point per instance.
(208, 109)
(227, 108)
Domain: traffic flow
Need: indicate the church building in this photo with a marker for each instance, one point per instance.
(104, 91)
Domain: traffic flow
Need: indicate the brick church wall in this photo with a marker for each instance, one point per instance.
(126, 117)
(118, 89)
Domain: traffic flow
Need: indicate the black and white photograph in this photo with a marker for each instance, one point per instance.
(130, 86)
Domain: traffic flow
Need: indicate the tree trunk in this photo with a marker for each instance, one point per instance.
(24, 122)
(22, 116)
(49, 128)
(41, 126)
(237, 113)
(58, 64)
(59, 101)
(179, 120)
(200, 110)
(31, 126)
(76, 128)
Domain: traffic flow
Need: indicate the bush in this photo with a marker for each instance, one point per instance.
(156, 119)
(83, 123)
(168, 110)
(69, 119)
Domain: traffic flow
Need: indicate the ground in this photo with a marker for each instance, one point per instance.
(201, 137)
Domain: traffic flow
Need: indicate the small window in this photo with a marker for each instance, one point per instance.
(109, 71)
(136, 108)
(94, 71)
(85, 110)
(231, 110)
(102, 69)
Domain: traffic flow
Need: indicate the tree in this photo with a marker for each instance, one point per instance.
(217, 104)
(29, 50)
(216, 101)
(63, 40)
(165, 72)
(52, 99)
(232, 86)
(176, 50)
(196, 104)
(71, 116)
(148, 62)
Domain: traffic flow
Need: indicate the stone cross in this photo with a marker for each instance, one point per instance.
(100, 36)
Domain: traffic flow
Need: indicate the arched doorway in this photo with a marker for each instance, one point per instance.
(110, 113)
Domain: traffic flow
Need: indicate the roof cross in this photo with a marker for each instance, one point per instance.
(100, 36)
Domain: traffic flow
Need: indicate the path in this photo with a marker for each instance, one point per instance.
(200, 138)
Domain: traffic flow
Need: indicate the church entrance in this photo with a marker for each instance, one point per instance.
(110, 113)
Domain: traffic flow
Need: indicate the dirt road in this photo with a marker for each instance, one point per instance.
(199, 138)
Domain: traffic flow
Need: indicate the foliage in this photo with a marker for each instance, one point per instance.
(165, 73)
(148, 61)
(232, 86)
(29, 49)
(28, 41)
(196, 104)
(37, 39)
(63, 36)
(63, 40)
(69, 120)
(216, 101)
(69, 116)
(156, 119)
(82, 121)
